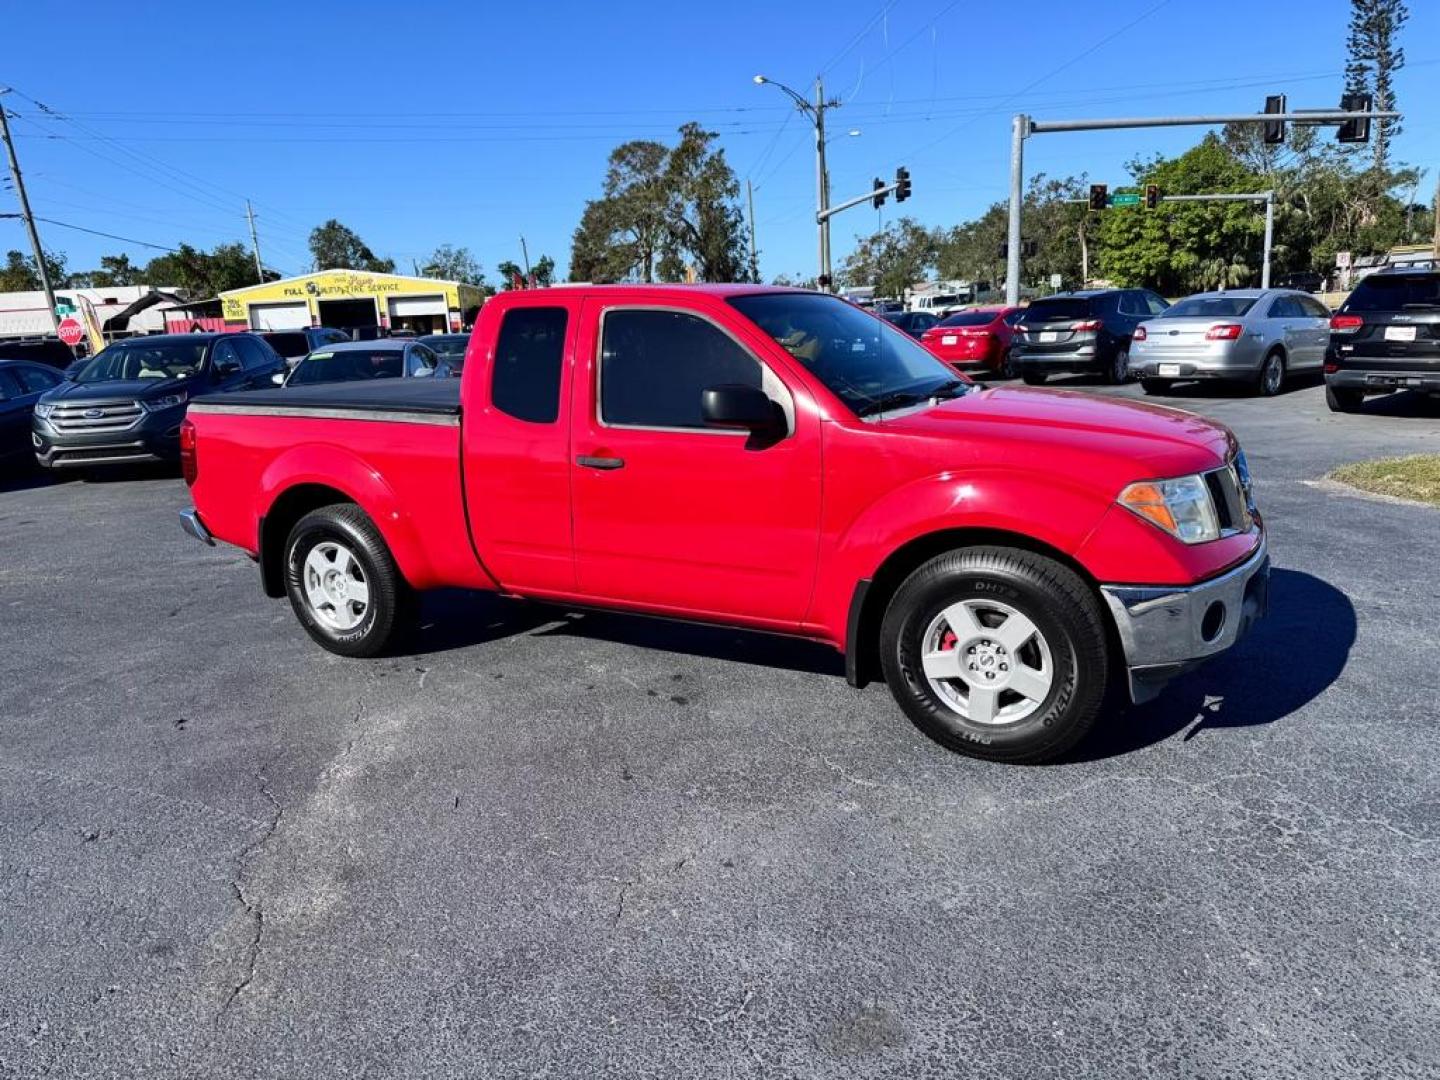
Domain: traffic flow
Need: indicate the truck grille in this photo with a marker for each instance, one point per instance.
(95, 416)
(1230, 503)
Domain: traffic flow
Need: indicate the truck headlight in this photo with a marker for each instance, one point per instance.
(1182, 507)
(169, 401)
(43, 409)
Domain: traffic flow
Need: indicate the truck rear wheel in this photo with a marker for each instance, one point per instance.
(1343, 398)
(997, 653)
(343, 583)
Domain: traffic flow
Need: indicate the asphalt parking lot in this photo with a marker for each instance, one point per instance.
(583, 846)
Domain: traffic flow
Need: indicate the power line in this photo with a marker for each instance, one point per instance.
(96, 232)
(875, 20)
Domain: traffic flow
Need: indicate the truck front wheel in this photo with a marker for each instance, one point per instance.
(997, 652)
(343, 583)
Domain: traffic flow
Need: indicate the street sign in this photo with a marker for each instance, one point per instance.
(63, 307)
(1056, 281)
(1342, 260)
(71, 332)
(1131, 198)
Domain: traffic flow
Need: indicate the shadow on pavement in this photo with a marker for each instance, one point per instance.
(1289, 659)
(1215, 388)
(23, 477)
(1404, 405)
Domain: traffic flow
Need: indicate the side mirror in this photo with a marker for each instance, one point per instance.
(745, 407)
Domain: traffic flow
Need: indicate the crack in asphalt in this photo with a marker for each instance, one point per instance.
(254, 910)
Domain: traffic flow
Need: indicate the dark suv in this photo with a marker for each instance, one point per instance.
(125, 403)
(1086, 331)
(1386, 336)
(295, 345)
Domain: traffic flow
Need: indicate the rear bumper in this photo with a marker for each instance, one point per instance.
(1166, 631)
(1218, 360)
(191, 523)
(1085, 358)
(1381, 382)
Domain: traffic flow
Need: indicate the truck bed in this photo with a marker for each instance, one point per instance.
(421, 400)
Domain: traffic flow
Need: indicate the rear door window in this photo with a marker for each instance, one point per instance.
(1157, 305)
(1382, 292)
(529, 356)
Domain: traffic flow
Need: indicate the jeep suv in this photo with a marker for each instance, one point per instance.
(1386, 336)
(1085, 331)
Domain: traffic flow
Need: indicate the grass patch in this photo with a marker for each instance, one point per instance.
(1416, 477)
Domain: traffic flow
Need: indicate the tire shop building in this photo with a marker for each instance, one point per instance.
(348, 299)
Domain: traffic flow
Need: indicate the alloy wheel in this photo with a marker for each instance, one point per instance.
(335, 586)
(987, 661)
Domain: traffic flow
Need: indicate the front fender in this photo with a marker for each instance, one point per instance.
(1044, 508)
(331, 466)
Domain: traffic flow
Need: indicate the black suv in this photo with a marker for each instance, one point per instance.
(1386, 336)
(125, 403)
(1086, 331)
(295, 345)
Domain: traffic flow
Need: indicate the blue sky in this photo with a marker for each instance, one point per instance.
(425, 123)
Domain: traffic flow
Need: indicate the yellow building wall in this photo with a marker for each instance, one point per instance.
(343, 285)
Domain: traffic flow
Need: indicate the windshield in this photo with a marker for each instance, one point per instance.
(450, 346)
(1385, 293)
(1209, 307)
(349, 365)
(862, 360)
(160, 360)
(288, 344)
(979, 317)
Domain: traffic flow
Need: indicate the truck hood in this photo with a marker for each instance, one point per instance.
(1159, 441)
(119, 390)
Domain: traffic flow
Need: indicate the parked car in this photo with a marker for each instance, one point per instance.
(449, 347)
(1254, 336)
(21, 384)
(979, 339)
(49, 351)
(914, 323)
(1085, 331)
(1306, 281)
(126, 402)
(998, 553)
(361, 361)
(295, 345)
(940, 304)
(1386, 336)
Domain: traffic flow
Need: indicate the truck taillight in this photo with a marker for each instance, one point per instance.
(1345, 324)
(1224, 332)
(189, 465)
(1141, 334)
(1088, 324)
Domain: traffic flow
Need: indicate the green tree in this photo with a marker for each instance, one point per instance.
(338, 247)
(453, 264)
(204, 274)
(20, 275)
(114, 270)
(890, 260)
(542, 271)
(1372, 61)
(661, 211)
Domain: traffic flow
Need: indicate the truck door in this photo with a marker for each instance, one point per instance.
(673, 515)
(516, 442)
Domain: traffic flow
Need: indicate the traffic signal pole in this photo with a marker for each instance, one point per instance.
(1024, 126)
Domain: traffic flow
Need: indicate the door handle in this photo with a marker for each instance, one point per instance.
(600, 462)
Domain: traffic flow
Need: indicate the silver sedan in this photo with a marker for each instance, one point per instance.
(1256, 336)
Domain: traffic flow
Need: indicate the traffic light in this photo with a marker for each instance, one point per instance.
(1275, 129)
(1099, 196)
(1355, 130)
(879, 198)
(902, 184)
(1152, 196)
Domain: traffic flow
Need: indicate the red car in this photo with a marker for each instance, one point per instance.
(764, 458)
(976, 340)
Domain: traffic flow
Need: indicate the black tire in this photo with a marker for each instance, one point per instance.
(1155, 386)
(1007, 364)
(1343, 399)
(1119, 370)
(1271, 379)
(1064, 611)
(390, 606)
(1033, 378)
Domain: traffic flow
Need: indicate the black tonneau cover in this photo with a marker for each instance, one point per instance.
(426, 397)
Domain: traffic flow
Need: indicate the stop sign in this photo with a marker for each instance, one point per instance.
(70, 331)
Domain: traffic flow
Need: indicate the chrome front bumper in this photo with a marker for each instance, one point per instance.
(1166, 631)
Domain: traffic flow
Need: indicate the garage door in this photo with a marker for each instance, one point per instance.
(292, 316)
(404, 306)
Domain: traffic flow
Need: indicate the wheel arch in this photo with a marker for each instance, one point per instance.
(275, 524)
(872, 595)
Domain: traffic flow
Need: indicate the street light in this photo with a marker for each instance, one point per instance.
(816, 112)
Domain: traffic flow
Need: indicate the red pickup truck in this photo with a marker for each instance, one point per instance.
(766, 458)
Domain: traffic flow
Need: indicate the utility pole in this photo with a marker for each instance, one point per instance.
(525, 255)
(822, 188)
(255, 243)
(754, 258)
(1435, 211)
(25, 213)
